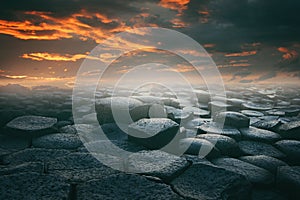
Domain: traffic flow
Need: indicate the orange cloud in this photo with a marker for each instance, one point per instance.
(241, 54)
(288, 54)
(55, 57)
(178, 23)
(52, 28)
(178, 5)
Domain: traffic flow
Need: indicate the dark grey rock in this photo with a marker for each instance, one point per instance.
(259, 148)
(268, 125)
(37, 167)
(14, 142)
(104, 108)
(225, 144)
(290, 130)
(257, 134)
(208, 182)
(200, 147)
(57, 141)
(30, 123)
(233, 119)
(291, 148)
(222, 130)
(124, 186)
(269, 163)
(179, 116)
(33, 186)
(70, 129)
(197, 111)
(153, 133)
(158, 164)
(268, 194)
(252, 113)
(253, 173)
(256, 106)
(288, 180)
(34, 155)
(275, 112)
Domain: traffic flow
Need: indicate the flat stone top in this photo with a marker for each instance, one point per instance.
(32, 123)
(153, 126)
(119, 102)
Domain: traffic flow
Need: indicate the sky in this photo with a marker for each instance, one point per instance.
(251, 41)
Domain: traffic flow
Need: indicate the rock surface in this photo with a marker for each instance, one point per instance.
(57, 141)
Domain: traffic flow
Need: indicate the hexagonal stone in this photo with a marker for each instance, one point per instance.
(57, 141)
(33, 186)
(253, 173)
(35, 155)
(177, 115)
(200, 147)
(234, 119)
(256, 106)
(209, 182)
(290, 130)
(116, 187)
(291, 148)
(31, 123)
(257, 134)
(288, 180)
(158, 164)
(214, 128)
(104, 108)
(153, 133)
(70, 129)
(268, 124)
(269, 163)
(252, 113)
(275, 112)
(197, 111)
(259, 148)
(225, 144)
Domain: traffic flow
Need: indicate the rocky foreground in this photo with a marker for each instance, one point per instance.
(249, 151)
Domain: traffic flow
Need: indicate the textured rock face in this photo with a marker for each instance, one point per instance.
(234, 119)
(208, 182)
(290, 130)
(200, 147)
(153, 133)
(57, 141)
(257, 134)
(254, 174)
(31, 123)
(105, 113)
(288, 179)
(291, 148)
(214, 128)
(28, 186)
(127, 186)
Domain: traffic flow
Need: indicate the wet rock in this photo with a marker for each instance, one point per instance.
(252, 113)
(208, 182)
(275, 112)
(33, 186)
(235, 102)
(219, 106)
(290, 130)
(214, 128)
(30, 123)
(225, 144)
(158, 164)
(153, 133)
(200, 147)
(127, 186)
(256, 106)
(254, 174)
(179, 116)
(105, 113)
(233, 119)
(269, 163)
(257, 134)
(194, 123)
(60, 124)
(268, 125)
(291, 111)
(291, 148)
(259, 148)
(57, 141)
(34, 155)
(288, 180)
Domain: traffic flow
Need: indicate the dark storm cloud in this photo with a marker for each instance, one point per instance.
(267, 76)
